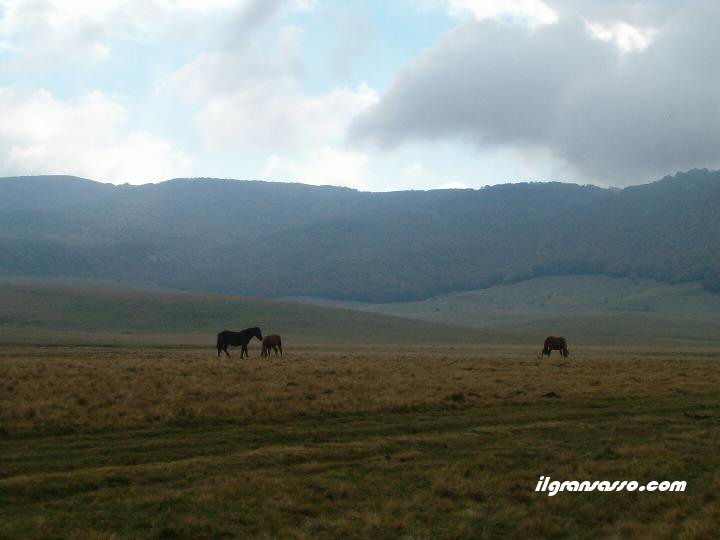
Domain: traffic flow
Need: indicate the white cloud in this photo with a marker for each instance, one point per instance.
(250, 96)
(415, 170)
(280, 117)
(246, 87)
(9, 47)
(529, 12)
(86, 137)
(625, 36)
(202, 6)
(328, 165)
(45, 33)
(306, 5)
(452, 185)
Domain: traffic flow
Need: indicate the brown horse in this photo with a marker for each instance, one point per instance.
(553, 343)
(273, 342)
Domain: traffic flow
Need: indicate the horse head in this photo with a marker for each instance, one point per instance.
(257, 333)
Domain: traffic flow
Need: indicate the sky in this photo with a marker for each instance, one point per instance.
(376, 95)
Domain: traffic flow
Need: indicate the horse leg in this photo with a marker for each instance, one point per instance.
(226, 351)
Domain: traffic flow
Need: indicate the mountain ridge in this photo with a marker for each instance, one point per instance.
(281, 239)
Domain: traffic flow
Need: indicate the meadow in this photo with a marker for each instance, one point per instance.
(598, 309)
(355, 441)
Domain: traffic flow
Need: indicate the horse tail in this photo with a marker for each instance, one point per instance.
(219, 343)
(280, 345)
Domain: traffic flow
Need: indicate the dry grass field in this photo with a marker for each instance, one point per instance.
(366, 442)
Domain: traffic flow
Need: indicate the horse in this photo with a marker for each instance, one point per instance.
(271, 342)
(241, 339)
(553, 343)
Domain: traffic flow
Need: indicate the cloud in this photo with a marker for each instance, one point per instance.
(529, 12)
(452, 185)
(626, 37)
(415, 169)
(328, 165)
(249, 95)
(88, 136)
(616, 105)
(47, 33)
(245, 86)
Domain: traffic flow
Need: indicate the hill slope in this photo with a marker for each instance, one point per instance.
(586, 308)
(274, 239)
(51, 313)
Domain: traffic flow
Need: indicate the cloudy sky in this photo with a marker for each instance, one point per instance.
(376, 95)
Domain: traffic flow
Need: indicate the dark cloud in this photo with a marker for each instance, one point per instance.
(255, 13)
(613, 118)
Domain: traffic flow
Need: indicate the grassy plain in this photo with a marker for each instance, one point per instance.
(380, 442)
(598, 309)
(90, 313)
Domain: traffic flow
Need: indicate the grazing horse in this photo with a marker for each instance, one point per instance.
(241, 339)
(553, 343)
(271, 342)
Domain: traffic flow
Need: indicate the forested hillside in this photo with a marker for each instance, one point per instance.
(281, 239)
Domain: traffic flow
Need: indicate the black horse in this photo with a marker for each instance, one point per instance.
(241, 339)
